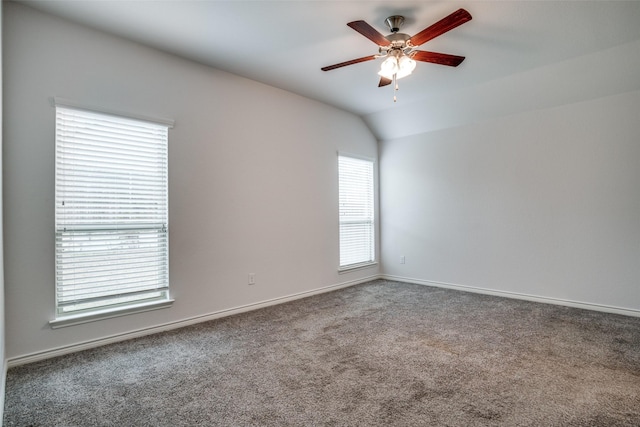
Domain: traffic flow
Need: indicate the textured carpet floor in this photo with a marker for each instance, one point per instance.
(381, 353)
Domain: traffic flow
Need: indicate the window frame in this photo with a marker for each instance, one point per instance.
(161, 248)
(342, 268)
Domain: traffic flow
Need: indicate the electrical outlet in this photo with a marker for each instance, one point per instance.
(252, 278)
(402, 259)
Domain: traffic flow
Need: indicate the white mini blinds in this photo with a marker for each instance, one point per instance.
(111, 212)
(356, 199)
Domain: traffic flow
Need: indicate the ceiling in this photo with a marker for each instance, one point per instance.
(285, 43)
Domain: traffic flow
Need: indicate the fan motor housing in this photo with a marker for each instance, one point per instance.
(398, 38)
(399, 41)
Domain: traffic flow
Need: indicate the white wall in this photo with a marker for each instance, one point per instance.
(253, 177)
(543, 203)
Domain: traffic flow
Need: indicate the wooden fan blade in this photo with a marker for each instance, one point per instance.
(369, 32)
(437, 58)
(384, 81)
(344, 64)
(457, 18)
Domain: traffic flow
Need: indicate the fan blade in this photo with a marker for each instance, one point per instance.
(384, 81)
(344, 64)
(369, 32)
(457, 18)
(437, 58)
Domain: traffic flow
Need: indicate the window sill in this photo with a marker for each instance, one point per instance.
(353, 267)
(77, 319)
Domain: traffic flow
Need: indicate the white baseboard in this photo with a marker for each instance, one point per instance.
(516, 295)
(59, 351)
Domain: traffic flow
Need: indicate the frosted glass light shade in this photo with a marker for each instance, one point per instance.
(401, 67)
(406, 66)
(389, 67)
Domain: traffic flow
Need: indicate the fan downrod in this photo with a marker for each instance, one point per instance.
(394, 23)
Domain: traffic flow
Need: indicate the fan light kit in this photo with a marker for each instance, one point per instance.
(398, 49)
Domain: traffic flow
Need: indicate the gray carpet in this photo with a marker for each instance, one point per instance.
(381, 353)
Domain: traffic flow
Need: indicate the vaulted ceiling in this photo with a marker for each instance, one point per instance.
(520, 55)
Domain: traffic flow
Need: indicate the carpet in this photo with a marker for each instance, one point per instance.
(376, 354)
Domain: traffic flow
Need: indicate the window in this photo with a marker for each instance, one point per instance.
(357, 225)
(111, 216)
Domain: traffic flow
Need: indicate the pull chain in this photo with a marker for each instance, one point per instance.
(395, 90)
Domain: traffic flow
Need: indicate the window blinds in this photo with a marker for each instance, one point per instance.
(111, 212)
(356, 198)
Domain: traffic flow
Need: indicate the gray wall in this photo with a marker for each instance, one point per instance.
(543, 204)
(3, 359)
(253, 177)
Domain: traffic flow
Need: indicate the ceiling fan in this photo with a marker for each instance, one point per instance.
(399, 49)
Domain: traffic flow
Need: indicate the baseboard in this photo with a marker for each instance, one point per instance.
(516, 295)
(59, 351)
